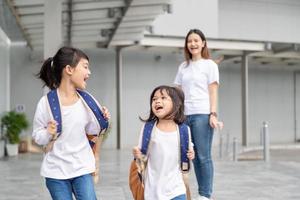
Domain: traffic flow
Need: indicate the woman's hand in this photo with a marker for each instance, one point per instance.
(213, 121)
(106, 113)
(52, 127)
(191, 154)
(137, 152)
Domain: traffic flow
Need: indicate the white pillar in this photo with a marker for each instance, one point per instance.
(5, 72)
(52, 27)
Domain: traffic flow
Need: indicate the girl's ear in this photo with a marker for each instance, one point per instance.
(69, 70)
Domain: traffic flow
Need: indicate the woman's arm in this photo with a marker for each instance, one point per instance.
(213, 99)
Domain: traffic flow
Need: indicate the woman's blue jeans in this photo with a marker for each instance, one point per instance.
(202, 136)
(82, 187)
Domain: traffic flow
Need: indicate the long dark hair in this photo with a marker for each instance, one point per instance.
(51, 71)
(204, 53)
(177, 96)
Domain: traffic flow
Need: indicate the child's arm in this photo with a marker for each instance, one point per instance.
(191, 152)
(136, 151)
(44, 129)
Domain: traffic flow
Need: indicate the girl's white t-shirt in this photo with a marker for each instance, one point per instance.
(71, 155)
(163, 177)
(194, 80)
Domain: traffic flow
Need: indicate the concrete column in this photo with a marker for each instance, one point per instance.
(244, 81)
(52, 27)
(5, 72)
(119, 72)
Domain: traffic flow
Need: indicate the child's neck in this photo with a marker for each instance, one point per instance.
(166, 125)
(67, 94)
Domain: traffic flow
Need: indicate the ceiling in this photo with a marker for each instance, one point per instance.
(90, 23)
(109, 23)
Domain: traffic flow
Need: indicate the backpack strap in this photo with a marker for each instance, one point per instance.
(148, 127)
(54, 105)
(184, 143)
(90, 101)
(184, 147)
(93, 106)
(55, 109)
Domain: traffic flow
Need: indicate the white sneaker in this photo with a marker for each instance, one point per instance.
(202, 198)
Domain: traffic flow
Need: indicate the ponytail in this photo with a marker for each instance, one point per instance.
(46, 73)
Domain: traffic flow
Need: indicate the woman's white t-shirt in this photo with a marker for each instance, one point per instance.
(71, 155)
(194, 80)
(163, 178)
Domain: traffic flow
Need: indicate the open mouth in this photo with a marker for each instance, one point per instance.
(158, 107)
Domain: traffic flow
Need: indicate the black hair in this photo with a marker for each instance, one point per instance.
(204, 53)
(52, 68)
(177, 112)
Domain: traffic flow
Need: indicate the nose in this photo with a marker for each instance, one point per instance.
(158, 100)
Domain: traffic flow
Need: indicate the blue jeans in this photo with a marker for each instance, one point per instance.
(202, 136)
(180, 197)
(82, 187)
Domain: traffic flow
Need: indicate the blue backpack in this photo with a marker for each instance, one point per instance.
(54, 104)
(184, 143)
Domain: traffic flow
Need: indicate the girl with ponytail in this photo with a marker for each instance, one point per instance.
(67, 166)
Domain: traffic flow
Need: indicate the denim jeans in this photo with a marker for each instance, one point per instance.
(202, 136)
(82, 187)
(180, 197)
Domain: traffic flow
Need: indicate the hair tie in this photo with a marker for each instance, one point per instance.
(52, 62)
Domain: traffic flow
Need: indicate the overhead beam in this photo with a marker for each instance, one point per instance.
(125, 10)
(16, 15)
(28, 3)
(288, 48)
(145, 10)
(98, 5)
(152, 2)
(173, 41)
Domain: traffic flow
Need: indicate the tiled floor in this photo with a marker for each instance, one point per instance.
(247, 180)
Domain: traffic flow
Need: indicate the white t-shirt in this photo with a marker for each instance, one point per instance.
(163, 177)
(194, 80)
(71, 155)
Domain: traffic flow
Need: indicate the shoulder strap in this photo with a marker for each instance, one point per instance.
(184, 143)
(55, 109)
(54, 104)
(148, 127)
(184, 147)
(89, 100)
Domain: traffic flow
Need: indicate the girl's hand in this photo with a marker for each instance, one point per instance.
(137, 152)
(52, 127)
(191, 154)
(106, 113)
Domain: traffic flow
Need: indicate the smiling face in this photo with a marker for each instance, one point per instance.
(80, 74)
(195, 44)
(162, 104)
